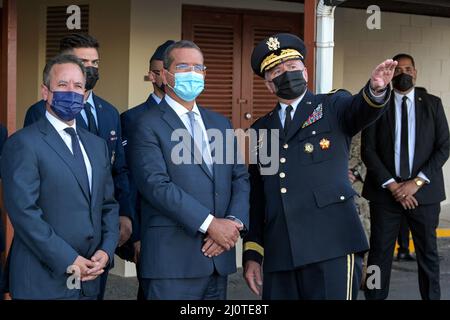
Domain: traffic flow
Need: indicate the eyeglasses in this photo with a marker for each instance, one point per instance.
(184, 67)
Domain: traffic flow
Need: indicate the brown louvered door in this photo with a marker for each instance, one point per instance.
(227, 38)
(219, 37)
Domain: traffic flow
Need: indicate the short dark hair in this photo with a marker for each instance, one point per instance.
(77, 40)
(177, 45)
(61, 59)
(403, 56)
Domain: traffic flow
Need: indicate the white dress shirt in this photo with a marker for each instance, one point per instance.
(283, 106)
(410, 103)
(59, 127)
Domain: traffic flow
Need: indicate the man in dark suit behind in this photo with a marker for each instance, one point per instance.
(404, 152)
(102, 119)
(131, 249)
(59, 195)
(192, 211)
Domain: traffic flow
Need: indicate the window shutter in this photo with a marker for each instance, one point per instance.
(57, 28)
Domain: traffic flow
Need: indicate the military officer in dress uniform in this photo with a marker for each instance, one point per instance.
(304, 227)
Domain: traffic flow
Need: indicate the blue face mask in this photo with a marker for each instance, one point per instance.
(188, 85)
(67, 104)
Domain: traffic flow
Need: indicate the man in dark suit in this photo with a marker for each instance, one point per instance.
(102, 119)
(192, 210)
(3, 137)
(131, 249)
(59, 195)
(404, 152)
(304, 227)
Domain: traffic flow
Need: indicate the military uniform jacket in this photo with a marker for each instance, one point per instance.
(305, 213)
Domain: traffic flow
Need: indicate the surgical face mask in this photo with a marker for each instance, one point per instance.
(290, 84)
(67, 104)
(403, 82)
(91, 77)
(188, 85)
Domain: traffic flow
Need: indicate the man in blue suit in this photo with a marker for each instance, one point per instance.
(3, 137)
(131, 249)
(59, 194)
(304, 226)
(194, 210)
(102, 119)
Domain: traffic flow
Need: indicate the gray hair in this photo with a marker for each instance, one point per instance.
(168, 59)
(61, 59)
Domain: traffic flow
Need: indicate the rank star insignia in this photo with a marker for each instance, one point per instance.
(309, 148)
(273, 44)
(325, 144)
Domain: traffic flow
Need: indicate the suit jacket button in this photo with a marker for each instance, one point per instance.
(283, 190)
(314, 133)
(282, 175)
(342, 198)
(285, 146)
(283, 160)
(90, 238)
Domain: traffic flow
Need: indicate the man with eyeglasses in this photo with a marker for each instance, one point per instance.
(131, 249)
(305, 232)
(194, 210)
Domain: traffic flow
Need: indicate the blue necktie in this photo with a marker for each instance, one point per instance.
(197, 135)
(78, 155)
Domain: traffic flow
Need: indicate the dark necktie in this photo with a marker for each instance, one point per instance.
(78, 155)
(288, 119)
(92, 126)
(197, 135)
(404, 148)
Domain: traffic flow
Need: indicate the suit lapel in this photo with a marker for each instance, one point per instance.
(273, 123)
(209, 124)
(100, 114)
(93, 157)
(303, 111)
(54, 140)
(390, 114)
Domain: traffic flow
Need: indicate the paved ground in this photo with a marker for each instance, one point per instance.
(404, 284)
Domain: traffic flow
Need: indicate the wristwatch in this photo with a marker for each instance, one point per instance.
(419, 182)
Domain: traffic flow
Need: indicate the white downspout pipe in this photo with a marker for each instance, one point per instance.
(324, 47)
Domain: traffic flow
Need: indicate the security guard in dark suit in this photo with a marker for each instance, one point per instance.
(131, 249)
(3, 137)
(304, 227)
(102, 119)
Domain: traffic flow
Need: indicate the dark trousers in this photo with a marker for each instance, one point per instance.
(385, 224)
(335, 279)
(213, 287)
(140, 293)
(403, 236)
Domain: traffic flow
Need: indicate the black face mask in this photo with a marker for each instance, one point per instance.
(402, 82)
(290, 85)
(91, 77)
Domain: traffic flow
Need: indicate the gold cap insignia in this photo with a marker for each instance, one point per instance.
(325, 144)
(273, 44)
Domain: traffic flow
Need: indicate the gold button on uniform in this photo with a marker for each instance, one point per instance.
(342, 198)
(282, 175)
(283, 190)
(283, 160)
(285, 146)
